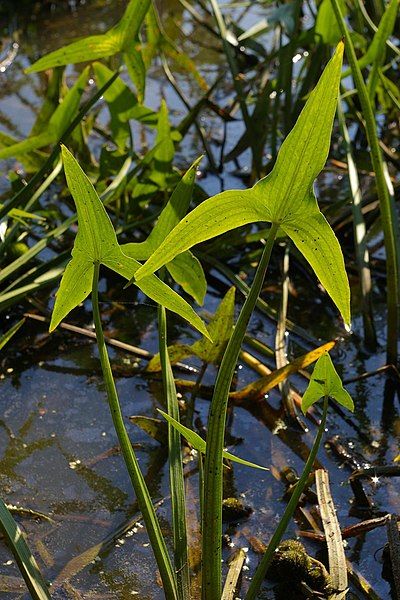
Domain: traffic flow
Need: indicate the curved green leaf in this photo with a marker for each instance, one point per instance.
(200, 445)
(187, 271)
(319, 245)
(325, 382)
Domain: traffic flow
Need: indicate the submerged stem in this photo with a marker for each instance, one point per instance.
(135, 474)
(290, 508)
(212, 509)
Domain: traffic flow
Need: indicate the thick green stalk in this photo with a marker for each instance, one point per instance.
(135, 474)
(212, 508)
(177, 484)
(386, 206)
(287, 515)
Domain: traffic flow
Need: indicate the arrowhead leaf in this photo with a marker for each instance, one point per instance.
(284, 197)
(325, 382)
(96, 242)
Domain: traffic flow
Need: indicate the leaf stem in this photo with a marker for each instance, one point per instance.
(289, 511)
(177, 485)
(388, 214)
(212, 509)
(135, 474)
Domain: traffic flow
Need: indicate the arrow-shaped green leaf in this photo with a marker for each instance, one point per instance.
(284, 197)
(96, 242)
(325, 382)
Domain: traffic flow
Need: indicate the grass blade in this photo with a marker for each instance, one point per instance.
(23, 556)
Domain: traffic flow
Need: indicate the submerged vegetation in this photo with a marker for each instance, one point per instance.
(105, 206)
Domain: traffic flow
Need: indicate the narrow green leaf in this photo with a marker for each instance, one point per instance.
(166, 149)
(377, 48)
(96, 242)
(200, 445)
(325, 382)
(185, 269)
(119, 99)
(6, 337)
(25, 560)
(59, 121)
(137, 71)
(176, 353)
(89, 48)
(176, 479)
(376, 53)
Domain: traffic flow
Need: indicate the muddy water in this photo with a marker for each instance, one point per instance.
(58, 450)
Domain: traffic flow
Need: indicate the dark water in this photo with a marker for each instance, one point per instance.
(57, 445)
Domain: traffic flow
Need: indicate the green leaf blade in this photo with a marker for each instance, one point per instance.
(217, 215)
(316, 240)
(325, 382)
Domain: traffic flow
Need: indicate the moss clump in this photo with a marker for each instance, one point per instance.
(234, 509)
(293, 568)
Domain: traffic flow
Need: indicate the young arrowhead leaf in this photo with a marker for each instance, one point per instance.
(284, 197)
(94, 47)
(325, 382)
(200, 445)
(96, 242)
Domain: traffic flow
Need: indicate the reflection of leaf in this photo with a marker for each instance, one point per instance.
(96, 242)
(185, 269)
(284, 197)
(200, 445)
(325, 382)
(58, 122)
(219, 329)
(98, 46)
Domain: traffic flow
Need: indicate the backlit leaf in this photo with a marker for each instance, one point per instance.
(284, 197)
(325, 382)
